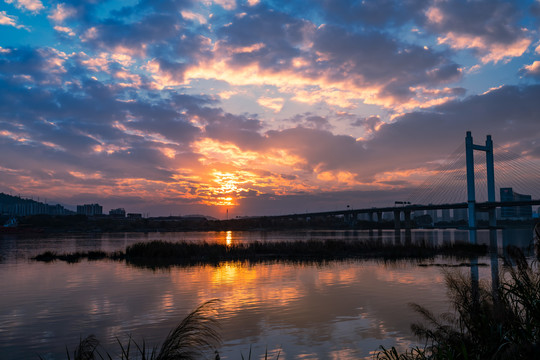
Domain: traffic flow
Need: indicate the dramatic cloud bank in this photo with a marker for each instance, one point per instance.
(257, 107)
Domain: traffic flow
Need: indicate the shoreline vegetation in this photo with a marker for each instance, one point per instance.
(156, 254)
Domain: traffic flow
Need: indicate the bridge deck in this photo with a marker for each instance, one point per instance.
(483, 206)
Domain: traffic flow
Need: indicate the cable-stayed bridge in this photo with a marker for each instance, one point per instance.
(465, 182)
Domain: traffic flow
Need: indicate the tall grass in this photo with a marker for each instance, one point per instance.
(487, 323)
(196, 336)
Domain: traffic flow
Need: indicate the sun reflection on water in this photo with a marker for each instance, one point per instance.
(228, 238)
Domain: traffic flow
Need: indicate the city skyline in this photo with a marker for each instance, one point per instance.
(258, 107)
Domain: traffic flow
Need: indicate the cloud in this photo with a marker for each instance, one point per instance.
(83, 123)
(508, 113)
(62, 12)
(264, 46)
(275, 104)
(417, 139)
(9, 20)
(158, 100)
(364, 13)
(325, 63)
(532, 70)
(64, 30)
(490, 28)
(30, 5)
(226, 4)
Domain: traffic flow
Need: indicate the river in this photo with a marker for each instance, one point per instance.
(333, 310)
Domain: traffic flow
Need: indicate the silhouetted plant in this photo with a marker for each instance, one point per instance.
(195, 334)
(191, 339)
(265, 354)
(500, 323)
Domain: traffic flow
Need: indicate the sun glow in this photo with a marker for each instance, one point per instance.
(226, 189)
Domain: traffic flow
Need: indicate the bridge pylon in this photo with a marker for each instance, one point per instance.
(471, 195)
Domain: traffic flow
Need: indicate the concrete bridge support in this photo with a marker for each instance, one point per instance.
(408, 226)
(379, 217)
(397, 219)
(407, 217)
(471, 196)
(397, 226)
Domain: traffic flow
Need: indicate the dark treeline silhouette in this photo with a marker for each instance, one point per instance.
(83, 223)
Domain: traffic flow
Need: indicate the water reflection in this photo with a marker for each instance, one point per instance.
(333, 310)
(339, 307)
(228, 238)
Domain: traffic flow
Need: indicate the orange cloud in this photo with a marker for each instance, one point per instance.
(492, 52)
(534, 68)
(275, 104)
(297, 81)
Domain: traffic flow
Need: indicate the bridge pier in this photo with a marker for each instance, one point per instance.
(379, 217)
(407, 215)
(490, 168)
(397, 219)
(397, 226)
(408, 226)
(490, 174)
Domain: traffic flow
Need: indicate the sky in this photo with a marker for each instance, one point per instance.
(251, 107)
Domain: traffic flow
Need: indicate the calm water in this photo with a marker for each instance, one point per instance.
(339, 310)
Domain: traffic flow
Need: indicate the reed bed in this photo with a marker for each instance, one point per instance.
(50, 256)
(162, 254)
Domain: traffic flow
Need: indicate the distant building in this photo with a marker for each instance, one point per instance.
(90, 209)
(134, 216)
(119, 213)
(17, 206)
(515, 212)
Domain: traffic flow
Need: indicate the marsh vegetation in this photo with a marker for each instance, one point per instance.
(163, 254)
